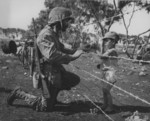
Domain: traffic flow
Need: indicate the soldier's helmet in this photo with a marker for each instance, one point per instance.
(111, 35)
(58, 14)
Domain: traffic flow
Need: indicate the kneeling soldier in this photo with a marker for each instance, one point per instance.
(54, 54)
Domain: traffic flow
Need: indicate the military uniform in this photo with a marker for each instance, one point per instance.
(52, 55)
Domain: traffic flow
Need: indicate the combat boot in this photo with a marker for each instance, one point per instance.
(109, 108)
(12, 96)
(37, 103)
(18, 93)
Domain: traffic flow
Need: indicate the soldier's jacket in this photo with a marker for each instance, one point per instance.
(54, 54)
(50, 46)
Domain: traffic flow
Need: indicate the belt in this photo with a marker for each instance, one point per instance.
(43, 60)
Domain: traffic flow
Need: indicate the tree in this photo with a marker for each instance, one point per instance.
(142, 4)
(40, 22)
(83, 10)
(100, 12)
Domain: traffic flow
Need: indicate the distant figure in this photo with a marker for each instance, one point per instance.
(143, 52)
(108, 67)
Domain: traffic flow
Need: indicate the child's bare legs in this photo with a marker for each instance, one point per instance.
(108, 104)
(105, 100)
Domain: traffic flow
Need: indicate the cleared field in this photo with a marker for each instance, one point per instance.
(74, 106)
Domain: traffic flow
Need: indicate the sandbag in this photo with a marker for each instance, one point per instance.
(8, 46)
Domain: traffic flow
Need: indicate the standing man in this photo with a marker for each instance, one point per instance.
(52, 56)
(108, 67)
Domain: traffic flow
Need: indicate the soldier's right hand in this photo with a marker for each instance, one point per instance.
(67, 59)
(78, 53)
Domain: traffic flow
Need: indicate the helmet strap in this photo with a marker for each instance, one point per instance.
(61, 33)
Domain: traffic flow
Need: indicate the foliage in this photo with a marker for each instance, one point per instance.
(141, 3)
(12, 30)
(40, 22)
(99, 12)
(28, 35)
(84, 11)
(144, 4)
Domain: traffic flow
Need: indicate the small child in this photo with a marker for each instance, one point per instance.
(108, 68)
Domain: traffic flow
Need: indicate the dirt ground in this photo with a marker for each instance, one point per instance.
(74, 106)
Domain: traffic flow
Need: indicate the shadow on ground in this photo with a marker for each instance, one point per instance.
(69, 80)
(86, 106)
(131, 108)
(5, 90)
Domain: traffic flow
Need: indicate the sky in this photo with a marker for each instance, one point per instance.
(19, 13)
(139, 23)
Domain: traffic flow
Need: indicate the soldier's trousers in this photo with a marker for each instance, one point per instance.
(56, 80)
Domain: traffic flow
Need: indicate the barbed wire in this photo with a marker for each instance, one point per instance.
(100, 97)
(128, 59)
(98, 107)
(119, 88)
(86, 97)
(106, 115)
(96, 85)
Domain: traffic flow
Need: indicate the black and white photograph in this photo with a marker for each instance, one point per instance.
(75, 60)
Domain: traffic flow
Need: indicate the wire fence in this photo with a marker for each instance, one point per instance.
(117, 87)
(128, 59)
(106, 115)
(87, 97)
